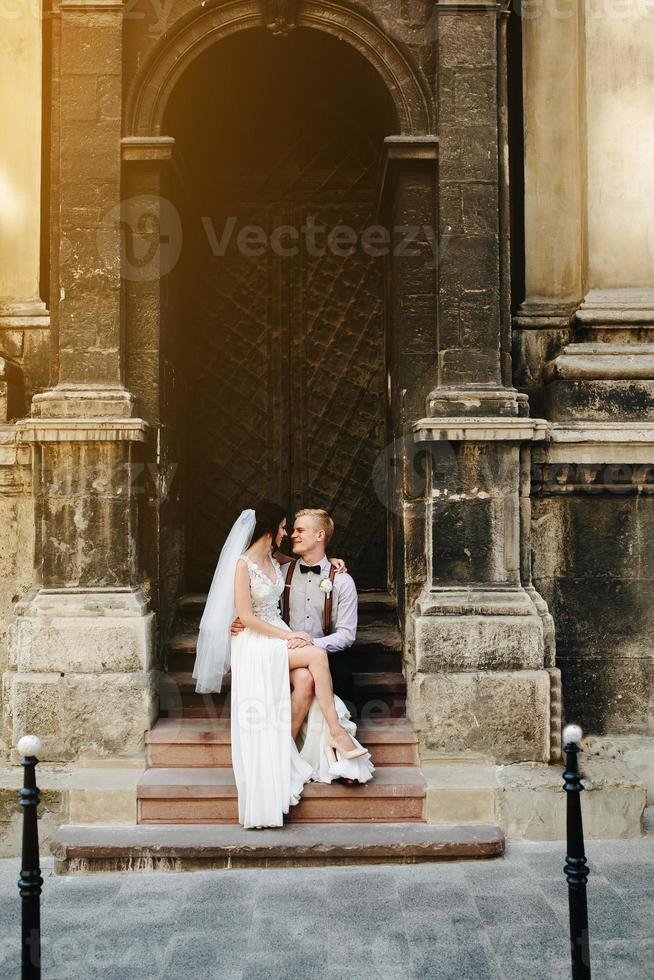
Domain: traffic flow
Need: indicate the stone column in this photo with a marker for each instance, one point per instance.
(88, 159)
(153, 350)
(407, 206)
(471, 349)
(24, 319)
(479, 682)
(82, 642)
(554, 147)
(607, 373)
(477, 656)
(593, 505)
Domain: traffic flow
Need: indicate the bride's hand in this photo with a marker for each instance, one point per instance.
(298, 639)
(237, 627)
(338, 564)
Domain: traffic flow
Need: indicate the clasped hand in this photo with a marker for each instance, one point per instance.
(295, 639)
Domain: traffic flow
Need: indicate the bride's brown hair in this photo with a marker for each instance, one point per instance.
(268, 518)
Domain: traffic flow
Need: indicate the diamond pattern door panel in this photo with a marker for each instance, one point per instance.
(287, 374)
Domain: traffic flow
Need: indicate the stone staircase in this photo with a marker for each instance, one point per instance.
(187, 801)
(190, 780)
(379, 685)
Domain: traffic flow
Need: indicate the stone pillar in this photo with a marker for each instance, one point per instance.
(89, 163)
(407, 206)
(471, 350)
(607, 372)
(82, 643)
(479, 682)
(152, 248)
(554, 146)
(592, 501)
(24, 319)
(83, 639)
(477, 655)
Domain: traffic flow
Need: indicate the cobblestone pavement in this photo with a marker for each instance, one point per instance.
(504, 918)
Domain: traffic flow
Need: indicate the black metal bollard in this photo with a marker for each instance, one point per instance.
(30, 881)
(576, 866)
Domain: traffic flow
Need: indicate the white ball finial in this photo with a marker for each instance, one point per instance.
(572, 734)
(29, 745)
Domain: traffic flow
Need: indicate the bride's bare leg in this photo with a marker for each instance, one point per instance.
(301, 697)
(315, 659)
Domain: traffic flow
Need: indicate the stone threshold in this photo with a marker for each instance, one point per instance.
(80, 849)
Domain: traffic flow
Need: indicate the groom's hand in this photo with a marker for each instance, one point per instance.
(338, 564)
(237, 627)
(298, 639)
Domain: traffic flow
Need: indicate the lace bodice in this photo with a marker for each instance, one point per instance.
(263, 592)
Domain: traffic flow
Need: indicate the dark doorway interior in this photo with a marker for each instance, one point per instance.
(283, 336)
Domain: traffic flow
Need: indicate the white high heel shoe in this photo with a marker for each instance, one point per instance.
(352, 754)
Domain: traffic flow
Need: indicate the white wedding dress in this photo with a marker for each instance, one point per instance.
(269, 770)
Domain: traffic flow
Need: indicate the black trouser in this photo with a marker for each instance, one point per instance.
(341, 670)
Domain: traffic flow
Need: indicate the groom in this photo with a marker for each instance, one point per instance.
(320, 603)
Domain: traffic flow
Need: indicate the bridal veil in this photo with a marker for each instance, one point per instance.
(214, 640)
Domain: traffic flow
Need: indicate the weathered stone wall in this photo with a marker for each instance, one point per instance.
(593, 563)
(483, 644)
(16, 551)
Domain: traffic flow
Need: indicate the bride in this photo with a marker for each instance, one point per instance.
(269, 770)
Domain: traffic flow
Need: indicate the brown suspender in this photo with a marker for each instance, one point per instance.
(286, 598)
(327, 618)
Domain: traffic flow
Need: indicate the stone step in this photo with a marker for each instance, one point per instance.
(374, 608)
(80, 849)
(208, 795)
(194, 743)
(376, 694)
(377, 647)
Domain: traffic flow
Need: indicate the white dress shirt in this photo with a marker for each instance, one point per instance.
(307, 607)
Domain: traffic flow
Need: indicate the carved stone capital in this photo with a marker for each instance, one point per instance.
(82, 430)
(482, 429)
(79, 400)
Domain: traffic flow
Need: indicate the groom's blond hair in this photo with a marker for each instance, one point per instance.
(321, 519)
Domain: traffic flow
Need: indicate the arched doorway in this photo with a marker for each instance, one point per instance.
(278, 143)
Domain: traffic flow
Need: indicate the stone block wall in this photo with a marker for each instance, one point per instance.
(593, 564)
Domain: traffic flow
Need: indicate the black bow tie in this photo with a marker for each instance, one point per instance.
(310, 568)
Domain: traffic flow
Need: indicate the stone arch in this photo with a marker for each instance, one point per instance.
(198, 31)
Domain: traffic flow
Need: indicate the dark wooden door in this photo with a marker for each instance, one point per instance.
(287, 368)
